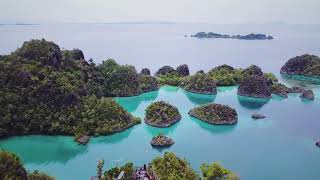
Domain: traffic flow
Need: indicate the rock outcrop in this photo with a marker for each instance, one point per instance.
(183, 70)
(252, 70)
(145, 71)
(161, 141)
(254, 86)
(308, 65)
(165, 70)
(296, 89)
(307, 94)
(83, 140)
(279, 89)
(162, 114)
(200, 72)
(215, 114)
(258, 116)
(147, 83)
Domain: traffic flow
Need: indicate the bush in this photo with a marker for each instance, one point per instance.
(119, 80)
(200, 83)
(12, 168)
(226, 75)
(215, 171)
(148, 83)
(172, 167)
(172, 79)
(36, 175)
(114, 172)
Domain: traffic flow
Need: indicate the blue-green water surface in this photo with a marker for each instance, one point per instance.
(279, 147)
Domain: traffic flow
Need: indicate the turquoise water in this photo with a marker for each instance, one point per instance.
(278, 147)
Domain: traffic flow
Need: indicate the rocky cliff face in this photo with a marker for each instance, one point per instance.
(183, 70)
(165, 70)
(308, 65)
(254, 86)
(145, 71)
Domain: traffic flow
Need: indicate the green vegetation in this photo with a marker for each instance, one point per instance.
(114, 172)
(172, 79)
(279, 89)
(270, 77)
(148, 83)
(215, 114)
(36, 175)
(171, 167)
(12, 168)
(119, 80)
(162, 114)
(102, 117)
(200, 83)
(45, 91)
(215, 171)
(226, 75)
(124, 80)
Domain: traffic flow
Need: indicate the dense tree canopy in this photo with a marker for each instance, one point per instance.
(225, 75)
(12, 168)
(215, 114)
(215, 171)
(46, 91)
(171, 167)
(200, 83)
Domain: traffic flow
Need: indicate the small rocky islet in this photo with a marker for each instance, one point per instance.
(161, 141)
(162, 114)
(257, 116)
(201, 83)
(252, 36)
(217, 114)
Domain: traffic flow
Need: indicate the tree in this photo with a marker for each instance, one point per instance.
(215, 171)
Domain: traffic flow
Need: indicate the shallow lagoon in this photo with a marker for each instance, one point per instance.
(278, 147)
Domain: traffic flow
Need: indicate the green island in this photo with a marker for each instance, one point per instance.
(201, 83)
(161, 141)
(48, 91)
(217, 114)
(162, 114)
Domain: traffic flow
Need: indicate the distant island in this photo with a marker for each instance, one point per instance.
(251, 36)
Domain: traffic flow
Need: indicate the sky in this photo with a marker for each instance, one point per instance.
(194, 11)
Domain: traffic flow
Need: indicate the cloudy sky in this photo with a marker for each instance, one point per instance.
(210, 11)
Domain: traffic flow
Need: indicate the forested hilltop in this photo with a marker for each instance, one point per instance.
(45, 90)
